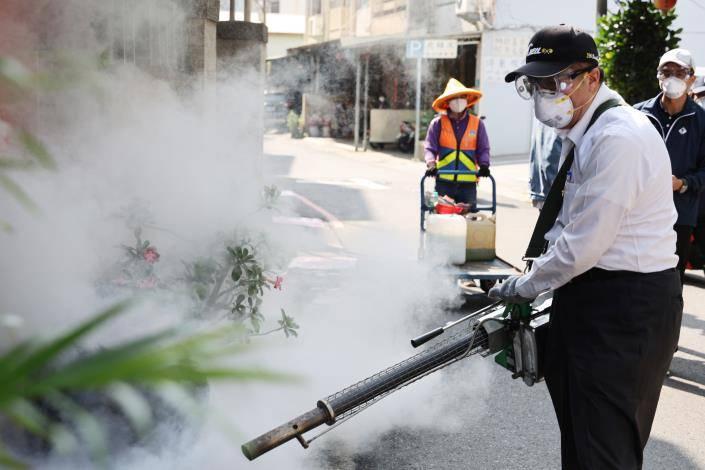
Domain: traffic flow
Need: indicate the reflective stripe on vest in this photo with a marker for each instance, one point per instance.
(456, 156)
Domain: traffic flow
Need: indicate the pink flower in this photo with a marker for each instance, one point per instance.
(150, 255)
(278, 282)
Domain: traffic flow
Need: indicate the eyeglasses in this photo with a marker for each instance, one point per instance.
(528, 86)
(681, 73)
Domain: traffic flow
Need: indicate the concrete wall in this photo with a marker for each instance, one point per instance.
(241, 50)
(200, 57)
(278, 43)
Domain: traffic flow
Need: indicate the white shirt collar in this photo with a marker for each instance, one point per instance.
(576, 133)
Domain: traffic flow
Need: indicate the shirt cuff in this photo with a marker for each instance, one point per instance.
(525, 288)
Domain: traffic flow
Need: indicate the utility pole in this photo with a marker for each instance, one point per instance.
(358, 73)
(232, 10)
(601, 8)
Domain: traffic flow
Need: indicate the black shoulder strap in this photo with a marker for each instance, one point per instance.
(554, 200)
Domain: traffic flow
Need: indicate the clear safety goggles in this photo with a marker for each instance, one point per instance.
(562, 82)
(679, 72)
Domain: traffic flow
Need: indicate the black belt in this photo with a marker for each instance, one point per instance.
(599, 274)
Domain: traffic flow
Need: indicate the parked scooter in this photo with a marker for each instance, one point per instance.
(405, 139)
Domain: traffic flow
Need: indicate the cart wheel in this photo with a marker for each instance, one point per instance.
(487, 284)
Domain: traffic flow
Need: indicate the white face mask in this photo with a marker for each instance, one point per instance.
(553, 110)
(556, 109)
(673, 87)
(458, 105)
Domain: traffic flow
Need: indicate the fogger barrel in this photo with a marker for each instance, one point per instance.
(360, 395)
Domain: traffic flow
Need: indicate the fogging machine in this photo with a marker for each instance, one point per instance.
(514, 333)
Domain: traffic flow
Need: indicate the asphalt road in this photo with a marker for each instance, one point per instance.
(363, 208)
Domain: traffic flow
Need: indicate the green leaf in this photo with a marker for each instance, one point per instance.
(201, 291)
(288, 325)
(87, 426)
(37, 149)
(133, 404)
(24, 414)
(10, 163)
(18, 193)
(7, 461)
(42, 357)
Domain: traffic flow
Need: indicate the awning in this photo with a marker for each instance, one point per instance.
(401, 40)
(309, 48)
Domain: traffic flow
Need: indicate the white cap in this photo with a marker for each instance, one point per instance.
(699, 85)
(681, 57)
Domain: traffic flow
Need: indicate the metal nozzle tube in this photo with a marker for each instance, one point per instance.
(284, 433)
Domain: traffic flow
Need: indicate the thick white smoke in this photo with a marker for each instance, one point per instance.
(120, 134)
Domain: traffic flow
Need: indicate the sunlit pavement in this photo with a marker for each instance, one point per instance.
(362, 199)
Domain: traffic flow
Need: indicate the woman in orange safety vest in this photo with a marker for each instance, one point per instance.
(457, 140)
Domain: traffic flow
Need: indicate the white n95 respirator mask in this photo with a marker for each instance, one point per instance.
(553, 110)
(673, 87)
(458, 105)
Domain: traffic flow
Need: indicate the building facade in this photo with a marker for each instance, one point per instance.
(285, 21)
(492, 37)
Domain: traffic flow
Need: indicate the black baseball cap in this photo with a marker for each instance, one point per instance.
(553, 49)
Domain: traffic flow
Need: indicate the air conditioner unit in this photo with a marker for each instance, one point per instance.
(467, 10)
(475, 10)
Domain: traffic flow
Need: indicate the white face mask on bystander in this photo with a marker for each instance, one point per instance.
(458, 105)
(673, 87)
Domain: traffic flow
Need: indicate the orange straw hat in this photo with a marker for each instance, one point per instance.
(455, 89)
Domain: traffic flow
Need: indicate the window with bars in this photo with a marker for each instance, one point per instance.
(273, 6)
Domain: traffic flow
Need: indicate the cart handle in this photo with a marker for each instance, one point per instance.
(424, 208)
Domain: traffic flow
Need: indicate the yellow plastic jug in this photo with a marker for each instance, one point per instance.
(480, 239)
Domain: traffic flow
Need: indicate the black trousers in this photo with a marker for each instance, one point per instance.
(699, 233)
(683, 234)
(612, 336)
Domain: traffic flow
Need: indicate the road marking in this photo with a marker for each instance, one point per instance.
(330, 218)
(333, 222)
(323, 261)
(352, 182)
(300, 221)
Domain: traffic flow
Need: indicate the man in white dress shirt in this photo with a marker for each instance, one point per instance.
(609, 257)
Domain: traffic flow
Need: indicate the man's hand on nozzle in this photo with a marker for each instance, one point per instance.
(507, 291)
(431, 169)
(484, 171)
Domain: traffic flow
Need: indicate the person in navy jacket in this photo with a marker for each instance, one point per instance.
(681, 123)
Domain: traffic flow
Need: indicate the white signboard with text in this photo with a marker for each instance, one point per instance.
(432, 49)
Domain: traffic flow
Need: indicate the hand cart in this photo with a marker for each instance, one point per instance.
(484, 273)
